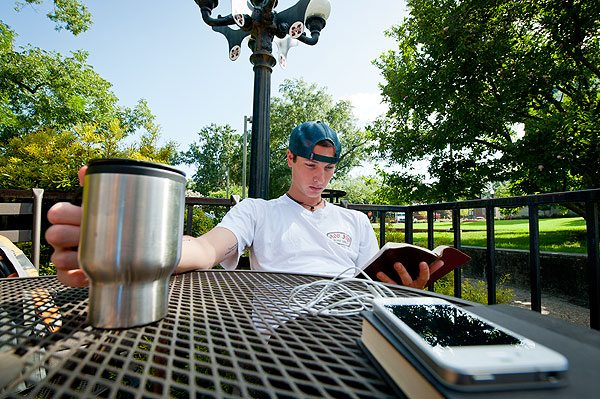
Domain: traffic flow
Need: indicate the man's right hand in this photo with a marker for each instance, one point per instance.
(63, 235)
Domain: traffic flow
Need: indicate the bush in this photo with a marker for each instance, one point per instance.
(474, 290)
(201, 222)
(391, 236)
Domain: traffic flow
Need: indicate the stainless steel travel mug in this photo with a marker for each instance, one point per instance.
(130, 239)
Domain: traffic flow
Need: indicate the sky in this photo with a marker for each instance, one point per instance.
(163, 52)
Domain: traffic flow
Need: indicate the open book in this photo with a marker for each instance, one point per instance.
(410, 256)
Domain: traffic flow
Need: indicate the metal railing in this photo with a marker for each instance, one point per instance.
(590, 198)
(190, 202)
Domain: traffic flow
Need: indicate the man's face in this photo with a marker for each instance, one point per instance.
(309, 178)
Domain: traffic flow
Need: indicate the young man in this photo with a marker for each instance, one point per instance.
(298, 232)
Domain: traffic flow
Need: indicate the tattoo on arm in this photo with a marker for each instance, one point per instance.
(231, 249)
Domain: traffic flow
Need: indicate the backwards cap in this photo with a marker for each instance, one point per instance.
(306, 135)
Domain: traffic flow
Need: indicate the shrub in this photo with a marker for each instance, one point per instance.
(391, 236)
(475, 290)
(201, 222)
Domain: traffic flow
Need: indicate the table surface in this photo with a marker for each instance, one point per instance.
(227, 334)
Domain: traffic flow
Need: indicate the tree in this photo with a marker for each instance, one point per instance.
(148, 148)
(50, 159)
(43, 89)
(301, 102)
(218, 148)
(56, 113)
(358, 190)
(467, 75)
(71, 15)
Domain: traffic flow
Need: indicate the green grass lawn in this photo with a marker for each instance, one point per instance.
(556, 235)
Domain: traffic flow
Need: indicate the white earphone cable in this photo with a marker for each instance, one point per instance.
(339, 296)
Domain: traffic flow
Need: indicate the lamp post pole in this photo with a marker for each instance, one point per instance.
(257, 19)
(263, 61)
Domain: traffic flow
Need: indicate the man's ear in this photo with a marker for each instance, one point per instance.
(289, 157)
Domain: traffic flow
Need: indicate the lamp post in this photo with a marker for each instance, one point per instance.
(257, 19)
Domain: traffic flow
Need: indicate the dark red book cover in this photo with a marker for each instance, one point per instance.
(410, 256)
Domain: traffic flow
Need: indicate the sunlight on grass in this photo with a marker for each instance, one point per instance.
(556, 235)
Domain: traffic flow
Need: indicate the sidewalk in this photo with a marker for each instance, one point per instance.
(553, 306)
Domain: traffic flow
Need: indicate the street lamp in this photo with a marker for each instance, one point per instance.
(257, 19)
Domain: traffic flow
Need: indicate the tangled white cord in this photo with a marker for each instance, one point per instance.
(339, 296)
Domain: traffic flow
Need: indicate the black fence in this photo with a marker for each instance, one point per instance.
(589, 199)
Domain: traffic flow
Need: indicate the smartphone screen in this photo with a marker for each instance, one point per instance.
(449, 326)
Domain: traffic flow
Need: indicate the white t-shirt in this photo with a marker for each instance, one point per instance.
(283, 236)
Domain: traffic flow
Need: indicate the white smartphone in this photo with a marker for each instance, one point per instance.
(466, 351)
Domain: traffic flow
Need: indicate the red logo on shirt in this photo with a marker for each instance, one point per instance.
(339, 238)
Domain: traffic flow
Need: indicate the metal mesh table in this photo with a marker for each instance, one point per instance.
(227, 334)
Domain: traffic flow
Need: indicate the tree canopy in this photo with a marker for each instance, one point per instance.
(49, 159)
(56, 112)
(492, 91)
(220, 147)
(71, 15)
(44, 89)
(300, 102)
(359, 190)
(217, 148)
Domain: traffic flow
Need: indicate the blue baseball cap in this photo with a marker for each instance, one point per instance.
(306, 135)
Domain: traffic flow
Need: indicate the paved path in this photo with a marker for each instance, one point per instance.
(553, 306)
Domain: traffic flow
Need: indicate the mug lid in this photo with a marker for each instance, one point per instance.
(125, 163)
(133, 166)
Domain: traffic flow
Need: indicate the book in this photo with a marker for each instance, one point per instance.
(408, 377)
(410, 256)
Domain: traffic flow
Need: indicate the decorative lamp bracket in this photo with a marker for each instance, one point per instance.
(234, 39)
(257, 18)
